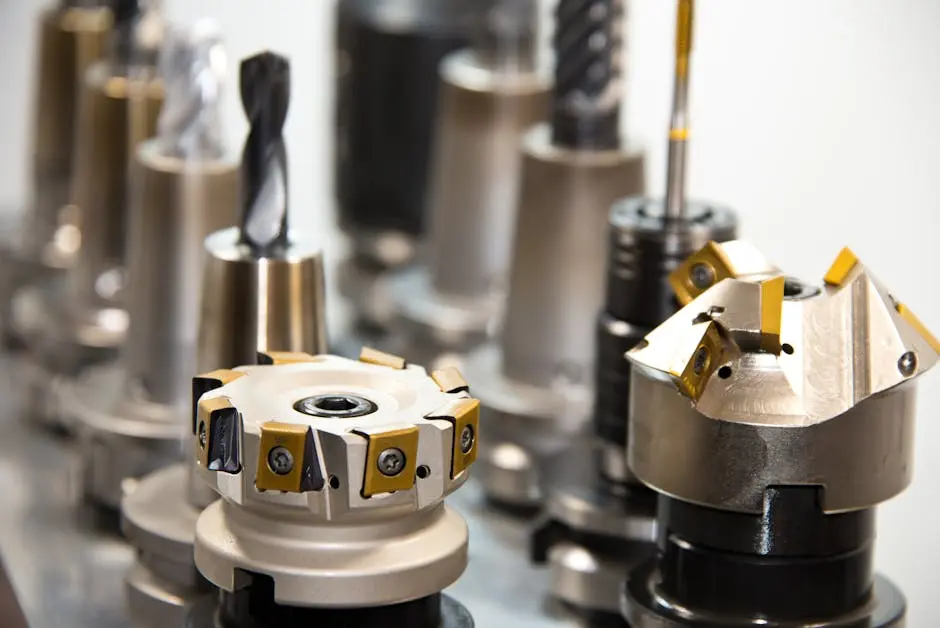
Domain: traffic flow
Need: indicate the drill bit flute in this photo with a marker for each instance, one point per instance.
(256, 279)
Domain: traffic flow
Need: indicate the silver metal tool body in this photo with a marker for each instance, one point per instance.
(247, 301)
(536, 380)
(490, 95)
(83, 320)
(332, 475)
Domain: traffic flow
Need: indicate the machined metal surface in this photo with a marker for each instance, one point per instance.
(384, 134)
(340, 511)
(160, 522)
(886, 609)
(836, 407)
(45, 545)
(176, 203)
(590, 533)
(284, 294)
(268, 295)
(70, 40)
(84, 322)
(540, 372)
(116, 114)
(452, 302)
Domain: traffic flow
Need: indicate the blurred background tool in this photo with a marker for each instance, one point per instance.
(598, 518)
(132, 412)
(332, 475)
(794, 419)
(490, 94)
(72, 36)
(535, 383)
(85, 322)
(253, 290)
(386, 107)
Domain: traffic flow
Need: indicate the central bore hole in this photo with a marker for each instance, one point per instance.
(335, 404)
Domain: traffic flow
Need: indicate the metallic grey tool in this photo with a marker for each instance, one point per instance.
(85, 322)
(72, 36)
(332, 475)
(491, 94)
(131, 413)
(262, 290)
(598, 518)
(772, 417)
(535, 383)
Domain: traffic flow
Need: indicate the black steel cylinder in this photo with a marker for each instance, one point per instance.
(254, 607)
(644, 248)
(792, 563)
(387, 94)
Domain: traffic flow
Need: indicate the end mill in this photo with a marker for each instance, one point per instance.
(598, 518)
(131, 412)
(535, 383)
(85, 322)
(332, 475)
(388, 55)
(772, 416)
(491, 94)
(251, 291)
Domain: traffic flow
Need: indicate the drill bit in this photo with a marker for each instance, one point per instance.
(265, 91)
(679, 122)
(193, 64)
(586, 101)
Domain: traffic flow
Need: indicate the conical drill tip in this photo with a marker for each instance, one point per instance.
(265, 91)
(194, 65)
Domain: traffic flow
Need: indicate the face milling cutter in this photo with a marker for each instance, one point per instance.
(387, 108)
(252, 298)
(598, 519)
(85, 323)
(132, 412)
(536, 382)
(333, 475)
(490, 94)
(772, 416)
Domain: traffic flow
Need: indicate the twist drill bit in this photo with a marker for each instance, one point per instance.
(265, 91)
(194, 66)
(679, 122)
(586, 101)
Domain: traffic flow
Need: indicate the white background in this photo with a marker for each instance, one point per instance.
(818, 120)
